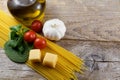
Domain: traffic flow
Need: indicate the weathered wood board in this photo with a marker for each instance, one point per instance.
(93, 34)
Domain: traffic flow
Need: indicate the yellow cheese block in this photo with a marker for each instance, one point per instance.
(50, 60)
(35, 55)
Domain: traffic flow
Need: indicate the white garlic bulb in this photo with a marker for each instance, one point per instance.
(54, 29)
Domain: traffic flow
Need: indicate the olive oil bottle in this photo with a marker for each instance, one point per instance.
(26, 11)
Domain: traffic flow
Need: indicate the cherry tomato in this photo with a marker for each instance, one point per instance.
(40, 43)
(36, 26)
(30, 36)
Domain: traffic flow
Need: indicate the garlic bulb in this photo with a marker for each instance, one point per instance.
(54, 29)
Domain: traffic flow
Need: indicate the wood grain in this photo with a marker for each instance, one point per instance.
(93, 34)
(102, 59)
(85, 20)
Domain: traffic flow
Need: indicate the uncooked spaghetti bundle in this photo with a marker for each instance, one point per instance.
(67, 64)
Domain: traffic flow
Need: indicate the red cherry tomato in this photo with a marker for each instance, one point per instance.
(40, 43)
(37, 26)
(30, 36)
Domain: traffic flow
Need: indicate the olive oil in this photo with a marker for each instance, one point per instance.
(26, 11)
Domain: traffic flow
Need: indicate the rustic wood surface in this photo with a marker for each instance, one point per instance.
(93, 34)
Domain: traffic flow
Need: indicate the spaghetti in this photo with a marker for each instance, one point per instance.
(67, 61)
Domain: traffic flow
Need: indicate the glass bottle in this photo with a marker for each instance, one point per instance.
(26, 11)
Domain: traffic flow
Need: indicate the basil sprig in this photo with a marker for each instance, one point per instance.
(16, 48)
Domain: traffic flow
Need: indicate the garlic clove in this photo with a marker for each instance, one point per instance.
(53, 35)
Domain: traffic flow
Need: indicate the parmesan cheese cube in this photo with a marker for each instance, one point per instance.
(50, 60)
(35, 55)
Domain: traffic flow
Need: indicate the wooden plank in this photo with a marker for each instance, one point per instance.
(103, 71)
(88, 23)
(93, 50)
(87, 20)
(101, 59)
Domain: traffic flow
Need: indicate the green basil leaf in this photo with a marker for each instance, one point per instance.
(15, 55)
(12, 43)
(13, 35)
(21, 49)
(19, 40)
(16, 28)
(24, 30)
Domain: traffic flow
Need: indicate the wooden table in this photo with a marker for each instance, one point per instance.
(93, 34)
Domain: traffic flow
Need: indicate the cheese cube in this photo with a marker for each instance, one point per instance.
(35, 55)
(50, 60)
